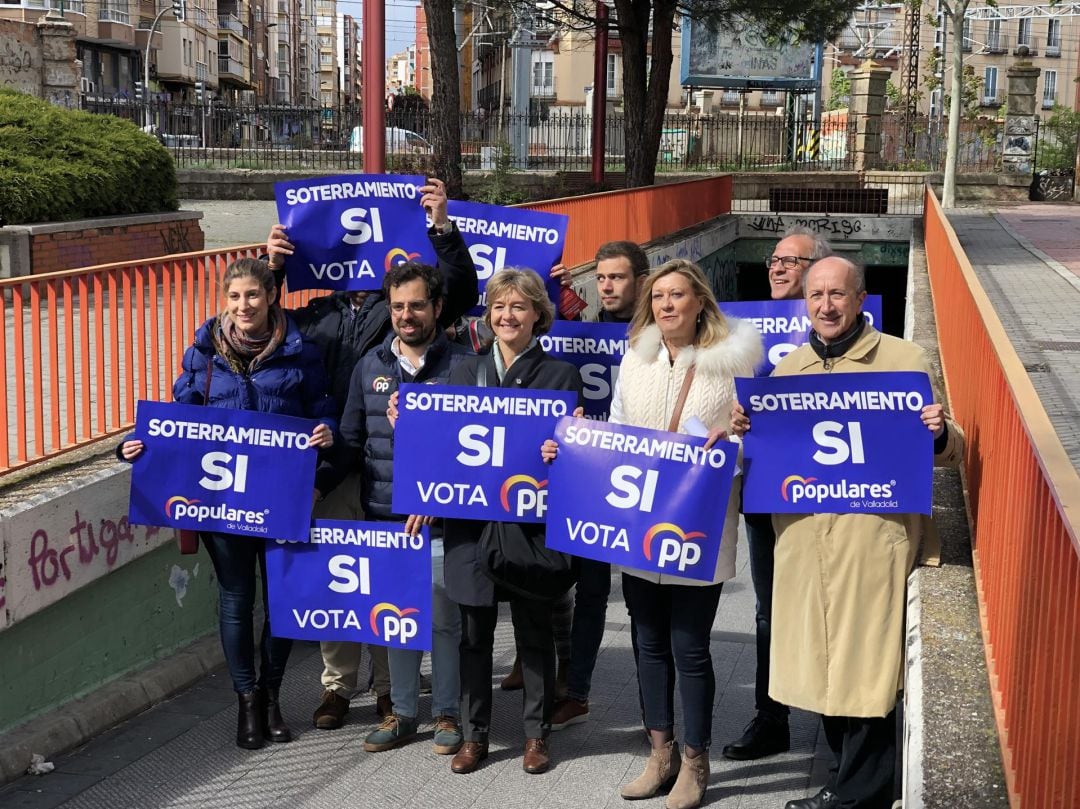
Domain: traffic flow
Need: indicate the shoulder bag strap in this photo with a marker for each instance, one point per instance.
(481, 373)
(676, 414)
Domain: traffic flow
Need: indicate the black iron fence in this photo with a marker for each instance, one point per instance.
(329, 138)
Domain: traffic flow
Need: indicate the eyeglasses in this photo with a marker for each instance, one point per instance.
(415, 307)
(788, 262)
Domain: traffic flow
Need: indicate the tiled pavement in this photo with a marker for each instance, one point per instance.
(180, 753)
(1028, 260)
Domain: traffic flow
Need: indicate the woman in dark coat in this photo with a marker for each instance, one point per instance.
(251, 357)
(518, 313)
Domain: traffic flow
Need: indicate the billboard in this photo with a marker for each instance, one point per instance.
(741, 57)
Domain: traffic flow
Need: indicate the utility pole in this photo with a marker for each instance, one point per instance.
(521, 67)
(599, 94)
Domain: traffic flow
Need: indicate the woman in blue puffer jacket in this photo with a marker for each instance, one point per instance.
(251, 357)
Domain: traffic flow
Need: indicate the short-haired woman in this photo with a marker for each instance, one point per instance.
(251, 357)
(518, 312)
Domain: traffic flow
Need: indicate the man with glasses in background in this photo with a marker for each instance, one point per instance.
(768, 733)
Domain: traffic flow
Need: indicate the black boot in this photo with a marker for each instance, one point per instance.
(274, 727)
(249, 721)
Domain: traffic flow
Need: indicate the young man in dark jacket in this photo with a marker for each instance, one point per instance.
(345, 326)
(417, 350)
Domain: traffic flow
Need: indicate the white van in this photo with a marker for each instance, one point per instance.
(398, 141)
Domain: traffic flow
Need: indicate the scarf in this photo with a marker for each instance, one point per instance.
(245, 354)
(830, 351)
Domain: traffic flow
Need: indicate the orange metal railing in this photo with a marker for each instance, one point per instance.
(1024, 499)
(79, 348)
(637, 214)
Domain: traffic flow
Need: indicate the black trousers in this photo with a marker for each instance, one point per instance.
(865, 754)
(535, 650)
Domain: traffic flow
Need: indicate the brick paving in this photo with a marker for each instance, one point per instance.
(180, 754)
(1028, 260)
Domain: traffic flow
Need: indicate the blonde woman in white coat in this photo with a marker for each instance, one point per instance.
(677, 325)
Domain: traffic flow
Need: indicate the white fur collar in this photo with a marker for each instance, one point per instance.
(738, 355)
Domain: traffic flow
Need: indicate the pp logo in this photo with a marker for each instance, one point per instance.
(790, 479)
(395, 623)
(398, 256)
(172, 503)
(529, 495)
(381, 384)
(675, 546)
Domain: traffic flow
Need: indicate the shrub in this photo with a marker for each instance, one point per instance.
(58, 164)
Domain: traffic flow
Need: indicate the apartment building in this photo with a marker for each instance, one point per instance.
(350, 65)
(401, 70)
(991, 46)
(328, 66)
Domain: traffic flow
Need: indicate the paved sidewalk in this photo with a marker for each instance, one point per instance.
(181, 754)
(1028, 259)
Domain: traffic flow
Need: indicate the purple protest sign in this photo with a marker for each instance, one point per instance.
(474, 453)
(500, 237)
(597, 350)
(205, 468)
(366, 582)
(349, 230)
(837, 444)
(785, 325)
(646, 499)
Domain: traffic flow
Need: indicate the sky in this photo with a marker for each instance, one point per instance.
(400, 21)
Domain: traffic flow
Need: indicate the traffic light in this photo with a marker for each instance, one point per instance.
(139, 92)
(200, 92)
(179, 9)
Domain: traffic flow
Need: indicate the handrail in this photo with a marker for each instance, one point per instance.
(114, 333)
(1024, 500)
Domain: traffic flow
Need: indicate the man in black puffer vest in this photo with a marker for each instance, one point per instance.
(416, 351)
(345, 326)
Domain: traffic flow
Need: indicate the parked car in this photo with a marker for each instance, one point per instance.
(398, 141)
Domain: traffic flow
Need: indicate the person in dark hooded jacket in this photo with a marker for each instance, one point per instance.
(346, 326)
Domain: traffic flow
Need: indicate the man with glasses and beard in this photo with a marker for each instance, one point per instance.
(417, 350)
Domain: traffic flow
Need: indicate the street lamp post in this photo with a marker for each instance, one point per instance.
(177, 8)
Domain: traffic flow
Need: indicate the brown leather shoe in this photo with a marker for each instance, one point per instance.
(536, 758)
(384, 706)
(330, 714)
(515, 680)
(468, 758)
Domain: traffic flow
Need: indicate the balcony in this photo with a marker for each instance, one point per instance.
(1026, 43)
(992, 101)
(229, 68)
(1053, 51)
(996, 44)
(228, 22)
(730, 99)
(771, 99)
(1048, 103)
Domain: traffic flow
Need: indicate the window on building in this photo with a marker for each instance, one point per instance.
(543, 65)
(188, 60)
(993, 35)
(990, 84)
(326, 58)
(1049, 88)
(967, 35)
(612, 73)
(1023, 32)
(1054, 34)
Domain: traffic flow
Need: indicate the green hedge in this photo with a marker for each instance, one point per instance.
(57, 165)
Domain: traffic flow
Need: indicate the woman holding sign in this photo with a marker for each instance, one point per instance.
(251, 357)
(518, 312)
(679, 376)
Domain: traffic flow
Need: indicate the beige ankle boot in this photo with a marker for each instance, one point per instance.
(690, 786)
(660, 771)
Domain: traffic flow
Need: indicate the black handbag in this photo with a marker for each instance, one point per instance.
(515, 557)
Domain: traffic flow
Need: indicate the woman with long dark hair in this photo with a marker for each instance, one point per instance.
(251, 357)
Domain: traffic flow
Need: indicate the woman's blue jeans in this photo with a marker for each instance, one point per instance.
(235, 560)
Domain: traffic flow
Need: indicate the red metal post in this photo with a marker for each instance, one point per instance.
(374, 89)
(599, 93)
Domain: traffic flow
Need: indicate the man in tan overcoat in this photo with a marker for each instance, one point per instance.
(839, 583)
